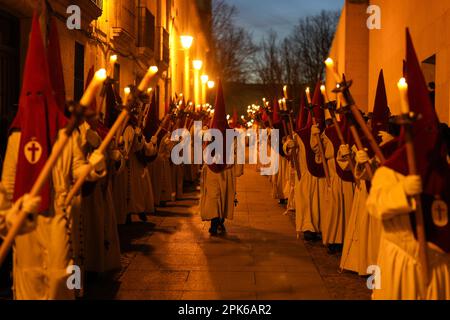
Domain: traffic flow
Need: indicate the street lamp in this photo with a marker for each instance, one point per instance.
(197, 64)
(186, 43)
(204, 79)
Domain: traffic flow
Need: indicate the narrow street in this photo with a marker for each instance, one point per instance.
(173, 257)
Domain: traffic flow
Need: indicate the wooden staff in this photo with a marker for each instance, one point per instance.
(42, 179)
(412, 166)
(102, 149)
(163, 125)
(294, 156)
(321, 149)
(347, 101)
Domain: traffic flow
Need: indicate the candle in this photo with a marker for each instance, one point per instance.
(308, 95)
(280, 103)
(323, 89)
(403, 88)
(331, 68)
(285, 91)
(148, 76)
(127, 92)
(93, 88)
(112, 62)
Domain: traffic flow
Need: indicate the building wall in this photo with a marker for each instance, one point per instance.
(115, 31)
(429, 24)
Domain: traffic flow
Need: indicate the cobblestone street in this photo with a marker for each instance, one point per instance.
(173, 256)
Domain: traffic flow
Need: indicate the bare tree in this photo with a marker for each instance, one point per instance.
(269, 65)
(310, 42)
(234, 47)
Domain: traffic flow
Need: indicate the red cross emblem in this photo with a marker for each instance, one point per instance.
(33, 151)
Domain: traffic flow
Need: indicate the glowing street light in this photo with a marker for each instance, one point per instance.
(204, 78)
(186, 43)
(197, 64)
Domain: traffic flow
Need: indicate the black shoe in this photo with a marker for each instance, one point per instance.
(221, 226)
(334, 248)
(214, 226)
(310, 236)
(143, 216)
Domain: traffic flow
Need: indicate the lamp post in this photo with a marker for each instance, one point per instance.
(197, 64)
(186, 43)
(204, 79)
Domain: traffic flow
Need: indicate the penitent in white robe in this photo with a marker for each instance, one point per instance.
(5, 206)
(41, 258)
(140, 191)
(280, 180)
(337, 199)
(307, 193)
(398, 256)
(165, 184)
(362, 237)
(217, 192)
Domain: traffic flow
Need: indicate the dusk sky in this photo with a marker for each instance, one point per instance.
(259, 16)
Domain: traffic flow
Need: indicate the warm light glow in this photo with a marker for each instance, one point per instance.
(197, 64)
(186, 42)
(329, 62)
(113, 58)
(127, 90)
(331, 68)
(308, 95)
(93, 88)
(204, 78)
(242, 117)
(404, 102)
(323, 89)
(285, 92)
(228, 117)
(211, 84)
(153, 69)
(149, 90)
(148, 76)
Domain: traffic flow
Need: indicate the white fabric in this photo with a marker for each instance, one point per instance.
(398, 257)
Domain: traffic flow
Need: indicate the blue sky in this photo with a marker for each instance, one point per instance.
(259, 16)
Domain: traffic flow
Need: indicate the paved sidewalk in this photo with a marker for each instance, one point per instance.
(173, 257)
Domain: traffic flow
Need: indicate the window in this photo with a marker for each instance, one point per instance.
(146, 28)
(429, 71)
(78, 78)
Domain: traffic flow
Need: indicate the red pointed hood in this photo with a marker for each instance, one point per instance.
(318, 102)
(152, 121)
(302, 116)
(430, 151)
(220, 122)
(38, 119)
(381, 112)
(55, 66)
(276, 118)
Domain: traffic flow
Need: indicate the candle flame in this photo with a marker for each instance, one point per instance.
(329, 62)
(101, 74)
(113, 58)
(402, 84)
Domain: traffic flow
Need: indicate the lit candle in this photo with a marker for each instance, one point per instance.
(148, 76)
(126, 92)
(308, 95)
(403, 88)
(323, 89)
(280, 103)
(285, 91)
(331, 68)
(112, 62)
(93, 88)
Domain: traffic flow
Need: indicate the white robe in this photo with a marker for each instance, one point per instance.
(336, 200)
(140, 192)
(41, 258)
(5, 206)
(218, 192)
(398, 256)
(307, 193)
(280, 180)
(362, 237)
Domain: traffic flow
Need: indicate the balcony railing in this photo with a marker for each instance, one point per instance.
(98, 3)
(146, 28)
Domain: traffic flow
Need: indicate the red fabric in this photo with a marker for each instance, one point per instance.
(302, 116)
(235, 119)
(381, 112)
(430, 150)
(316, 169)
(220, 122)
(55, 66)
(276, 118)
(38, 119)
(152, 124)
